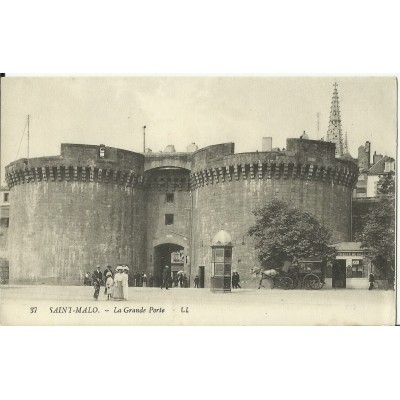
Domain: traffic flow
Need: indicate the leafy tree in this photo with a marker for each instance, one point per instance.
(283, 233)
(386, 185)
(379, 233)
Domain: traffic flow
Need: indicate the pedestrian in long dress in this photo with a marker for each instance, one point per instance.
(118, 291)
(125, 285)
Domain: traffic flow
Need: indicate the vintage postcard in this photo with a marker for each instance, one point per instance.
(198, 200)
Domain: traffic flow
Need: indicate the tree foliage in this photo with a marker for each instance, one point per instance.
(379, 233)
(284, 233)
(386, 185)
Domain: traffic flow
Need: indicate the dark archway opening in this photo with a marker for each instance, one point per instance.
(167, 254)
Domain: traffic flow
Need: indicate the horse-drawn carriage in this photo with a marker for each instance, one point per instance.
(308, 274)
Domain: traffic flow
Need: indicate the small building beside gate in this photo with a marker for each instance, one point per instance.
(351, 268)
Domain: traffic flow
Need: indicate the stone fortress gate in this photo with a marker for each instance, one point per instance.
(97, 205)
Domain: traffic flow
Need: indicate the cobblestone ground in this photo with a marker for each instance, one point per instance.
(74, 305)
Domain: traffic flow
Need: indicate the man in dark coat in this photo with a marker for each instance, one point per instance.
(238, 281)
(181, 280)
(371, 281)
(234, 280)
(166, 275)
(96, 281)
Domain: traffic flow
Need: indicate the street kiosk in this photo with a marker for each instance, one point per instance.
(221, 262)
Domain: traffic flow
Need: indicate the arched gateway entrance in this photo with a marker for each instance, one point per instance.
(167, 254)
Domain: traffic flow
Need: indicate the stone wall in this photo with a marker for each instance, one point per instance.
(73, 211)
(70, 213)
(4, 224)
(159, 183)
(224, 197)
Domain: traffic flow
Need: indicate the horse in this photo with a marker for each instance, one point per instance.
(265, 274)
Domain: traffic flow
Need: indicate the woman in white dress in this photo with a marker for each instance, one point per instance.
(118, 280)
(125, 284)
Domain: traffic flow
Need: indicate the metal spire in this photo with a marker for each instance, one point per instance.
(334, 133)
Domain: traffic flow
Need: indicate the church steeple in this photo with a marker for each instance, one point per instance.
(334, 133)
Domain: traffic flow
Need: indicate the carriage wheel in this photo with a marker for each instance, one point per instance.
(285, 283)
(312, 282)
(320, 285)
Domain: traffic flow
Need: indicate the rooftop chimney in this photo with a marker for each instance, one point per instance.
(376, 158)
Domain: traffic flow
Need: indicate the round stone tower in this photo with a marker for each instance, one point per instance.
(72, 212)
(227, 188)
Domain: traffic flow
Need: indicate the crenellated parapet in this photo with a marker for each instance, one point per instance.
(340, 174)
(80, 163)
(72, 173)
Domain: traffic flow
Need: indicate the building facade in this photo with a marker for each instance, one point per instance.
(97, 205)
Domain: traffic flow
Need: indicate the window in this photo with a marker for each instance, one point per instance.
(102, 151)
(219, 255)
(357, 269)
(169, 198)
(169, 219)
(6, 197)
(219, 269)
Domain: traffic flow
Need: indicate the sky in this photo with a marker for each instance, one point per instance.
(181, 110)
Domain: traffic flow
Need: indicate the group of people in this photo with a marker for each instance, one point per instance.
(116, 283)
(139, 279)
(180, 279)
(236, 280)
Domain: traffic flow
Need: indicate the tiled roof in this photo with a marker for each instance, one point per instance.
(379, 167)
(348, 246)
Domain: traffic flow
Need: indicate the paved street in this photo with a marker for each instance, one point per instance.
(74, 305)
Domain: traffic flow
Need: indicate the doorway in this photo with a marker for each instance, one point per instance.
(167, 254)
(339, 274)
(201, 276)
